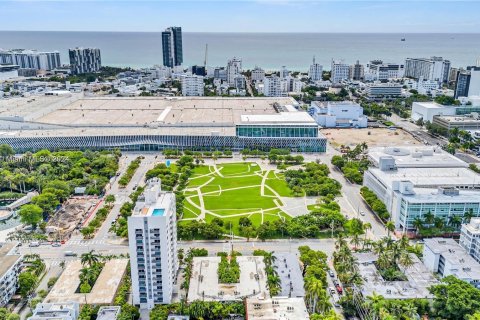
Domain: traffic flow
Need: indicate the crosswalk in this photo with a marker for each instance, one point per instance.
(80, 242)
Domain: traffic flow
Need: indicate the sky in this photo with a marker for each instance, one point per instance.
(402, 16)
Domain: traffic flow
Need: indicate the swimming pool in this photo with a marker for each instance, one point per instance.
(158, 212)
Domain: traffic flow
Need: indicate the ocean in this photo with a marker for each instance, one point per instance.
(267, 50)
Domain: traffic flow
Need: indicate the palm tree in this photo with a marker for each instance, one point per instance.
(439, 223)
(197, 309)
(89, 258)
(366, 226)
(455, 221)
(405, 260)
(341, 241)
(374, 303)
(355, 278)
(314, 290)
(429, 217)
(418, 224)
(390, 227)
(409, 310)
(467, 216)
(269, 258)
(355, 241)
(273, 282)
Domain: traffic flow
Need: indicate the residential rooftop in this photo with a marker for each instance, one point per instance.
(462, 264)
(7, 257)
(108, 312)
(419, 279)
(204, 284)
(473, 226)
(102, 293)
(288, 269)
(55, 311)
(277, 308)
(153, 201)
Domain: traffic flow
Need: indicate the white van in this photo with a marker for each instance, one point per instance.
(34, 244)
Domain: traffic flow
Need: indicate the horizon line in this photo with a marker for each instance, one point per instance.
(247, 32)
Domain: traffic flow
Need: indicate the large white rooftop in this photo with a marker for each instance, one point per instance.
(416, 157)
(427, 195)
(430, 177)
(54, 116)
(278, 308)
(282, 117)
(473, 226)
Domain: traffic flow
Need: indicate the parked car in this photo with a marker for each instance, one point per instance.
(331, 290)
(336, 301)
(362, 213)
(339, 289)
(34, 244)
(331, 273)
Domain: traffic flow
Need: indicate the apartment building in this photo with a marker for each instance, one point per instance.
(434, 68)
(84, 60)
(192, 85)
(152, 230)
(10, 267)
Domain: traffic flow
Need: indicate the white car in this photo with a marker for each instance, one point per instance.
(362, 213)
(332, 290)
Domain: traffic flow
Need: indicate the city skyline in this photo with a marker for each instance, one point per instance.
(244, 16)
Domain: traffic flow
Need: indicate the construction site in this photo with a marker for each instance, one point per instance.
(70, 216)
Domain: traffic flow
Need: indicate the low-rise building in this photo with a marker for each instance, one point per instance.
(8, 71)
(343, 114)
(422, 86)
(381, 71)
(10, 267)
(378, 90)
(272, 87)
(103, 292)
(192, 85)
(427, 110)
(470, 238)
(463, 122)
(108, 313)
(446, 257)
(419, 279)
(315, 73)
(56, 311)
(340, 71)
(412, 182)
(205, 284)
(278, 308)
(258, 74)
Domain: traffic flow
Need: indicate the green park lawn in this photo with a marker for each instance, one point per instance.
(235, 194)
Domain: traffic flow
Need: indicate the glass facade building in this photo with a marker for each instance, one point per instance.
(172, 47)
(410, 211)
(294, 143)
(275, 131)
